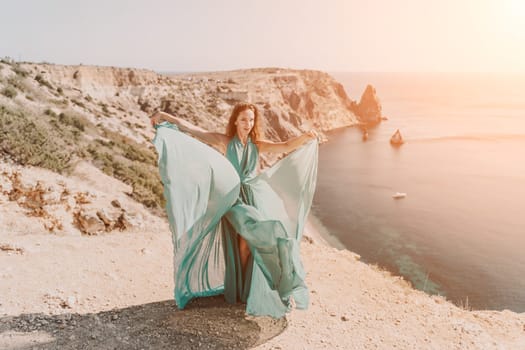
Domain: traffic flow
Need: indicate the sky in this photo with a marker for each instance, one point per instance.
(330, 35)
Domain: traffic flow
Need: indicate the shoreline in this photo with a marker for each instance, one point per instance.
(315, 230)
(452, 246)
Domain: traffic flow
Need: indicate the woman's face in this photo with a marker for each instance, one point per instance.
(245, 122)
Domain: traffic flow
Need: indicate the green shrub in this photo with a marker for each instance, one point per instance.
(16, 82)
(73, 120)
(9, 92)
(20, 71)
(78, 103)
(32, 141)
(108, 144)
(50, 113)
(142, 176)
(52, 141)
(60, 102)
(147, 188)
(42, 81)
(132, 150)
(105, 108)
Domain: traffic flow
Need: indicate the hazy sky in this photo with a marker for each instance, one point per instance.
(332, 35)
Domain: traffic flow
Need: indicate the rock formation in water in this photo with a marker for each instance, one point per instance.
(397, 139)
(369, 107)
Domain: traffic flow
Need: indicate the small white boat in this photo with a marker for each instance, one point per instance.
(399, 195)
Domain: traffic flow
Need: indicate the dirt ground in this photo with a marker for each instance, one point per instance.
(206, 323)
(67, 290)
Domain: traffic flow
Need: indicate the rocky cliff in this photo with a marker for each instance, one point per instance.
(120, 99)
(55, 116)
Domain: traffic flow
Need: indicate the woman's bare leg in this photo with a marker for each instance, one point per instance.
(244, 253)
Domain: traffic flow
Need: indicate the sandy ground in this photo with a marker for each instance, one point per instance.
(114, 291)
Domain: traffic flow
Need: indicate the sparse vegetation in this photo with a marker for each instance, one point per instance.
(19, 71)
(60, 134)
(31, 141)
(50, 113)
(212, 110)
(9, 92)
(42, 81)
(53, 141)
(78, 103)
(131, 163)
(16, 82)
(60, 102)
(104, 108)
(76, 121)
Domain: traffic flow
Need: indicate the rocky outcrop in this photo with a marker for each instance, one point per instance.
(56, 206)
(100, 114)
(369, 107)
(99, 82)
(291, 101)
(396, 139)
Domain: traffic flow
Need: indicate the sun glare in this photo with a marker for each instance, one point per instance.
(514, 16)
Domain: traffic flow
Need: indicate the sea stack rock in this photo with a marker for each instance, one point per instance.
(369, 108)
(397, 139)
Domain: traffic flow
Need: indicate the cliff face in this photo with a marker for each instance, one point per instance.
(290, 101)
(54, 116)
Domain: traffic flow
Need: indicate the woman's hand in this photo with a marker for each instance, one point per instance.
(156, 118)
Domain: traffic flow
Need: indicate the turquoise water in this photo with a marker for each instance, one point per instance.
(460, 232)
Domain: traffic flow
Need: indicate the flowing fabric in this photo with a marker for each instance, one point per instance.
(211, 198)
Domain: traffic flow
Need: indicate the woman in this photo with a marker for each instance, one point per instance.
(257, 229)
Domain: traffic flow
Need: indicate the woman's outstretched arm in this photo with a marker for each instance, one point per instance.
(286, 146)
(212, 138)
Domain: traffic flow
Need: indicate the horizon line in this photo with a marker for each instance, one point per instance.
(201, 71)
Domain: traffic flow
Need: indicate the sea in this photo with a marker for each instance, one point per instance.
(460, 230)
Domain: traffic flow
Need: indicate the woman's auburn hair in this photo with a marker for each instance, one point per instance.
(231, 128)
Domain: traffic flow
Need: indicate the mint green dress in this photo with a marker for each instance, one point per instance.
(211, 199)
